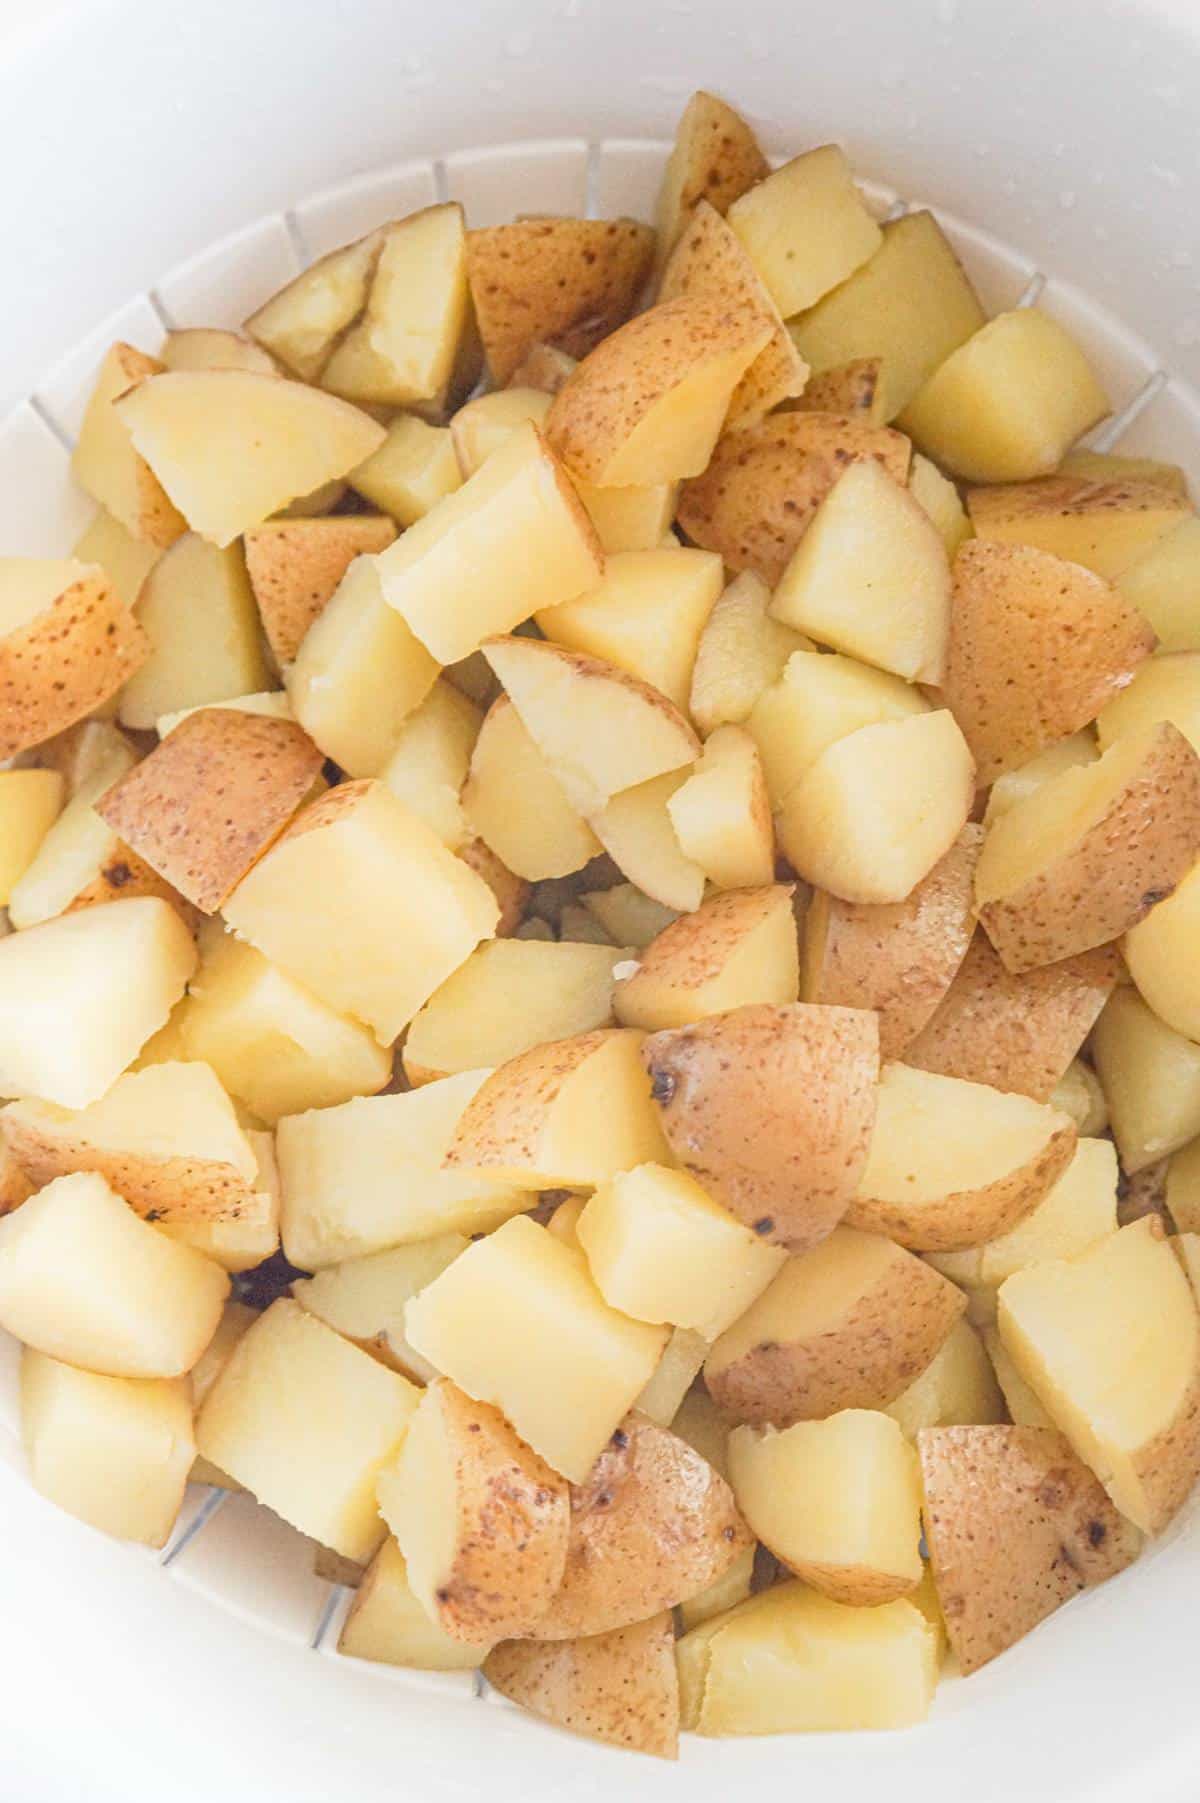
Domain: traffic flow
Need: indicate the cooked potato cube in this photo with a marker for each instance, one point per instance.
(1161, 954)
(112, 1451)
(660, 1249)
(517, 1304)
(818, 699)
(364, 1298)
(1166, 687)
(388, 912)
(470, 1021)
(624, 915)
(125, 560)
(1110, 1344)
(715, 158)
(511, 540)
(84, 1280)
(805, 228)
(722, 813)
(910, 306)
(1023, 1406)
(620, 1687)
(368, 1175)
(430, 760)
(770, 1109)
(489, 420)
(1163, 583)
(1085, 857)
(79, 997)
(940, 499)
(105, 462)
(855, 387)
(637, 831)
(1037, 646)
(899, 959)
(793, 1661)
(742, 651)
(387, 1624)
(1017, 1526)
(306, 1422)
(295, 566)
(871, 577)
(677, 1369)
(67, 643)
(600, 730)
(414, 468)
(1151, 1080)
(957, 1385)
(1105, 526)
(629, 519)
(877, 810)
(848, 1325)
(301, 324)
(516, 805)
(1008, 403)
(736, 949)
(648, 404)
(726, 1593)
(763, 484)
(30, 802)
(1066, 754)
(197, 610)
(1079, 1094)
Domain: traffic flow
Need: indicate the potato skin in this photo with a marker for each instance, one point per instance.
(770, 1108)
(294, 567)
(621, 1687)
(1016, 1525)
(693, 951)
(66, 662)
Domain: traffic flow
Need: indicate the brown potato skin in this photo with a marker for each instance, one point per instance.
(1037, 646)
(1016, 1526)
(693, 951)
(770, 1108)
(511, 892)
(765, 482)
(1016, 1032)
(653, 1526)
(294, 567)
(716, 156)
(853, 388)
(66, 662)
(899, 958)
(621, 1687)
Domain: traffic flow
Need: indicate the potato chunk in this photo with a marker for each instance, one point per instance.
(805, 228)
(197, 610)
(1110, 1344)
(516, 1304)
(112, 1451)
(413, 469)
(30, 802)
(1162, 584)
(742, 651)
(1105, 526)
(736, 949)
(637, 831)
(516, 805)
(837, 1501)
(1166, 687)
(957, 1385)
(388, 913)
(67, 643)
(715, 158)
(364, 1298)
(105, 462)
(1151, 1079)
(722, 813)
(80, 996)
(295, 566)
(388, 1625)
(301, 324)
(620, 1687)
(82, 1279)
(125, 560)
(817, 700)
(1161, 954)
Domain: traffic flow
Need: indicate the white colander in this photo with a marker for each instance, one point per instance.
(172, 165)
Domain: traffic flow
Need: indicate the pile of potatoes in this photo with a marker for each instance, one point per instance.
(626, 800)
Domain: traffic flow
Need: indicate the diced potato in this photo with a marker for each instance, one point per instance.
(1023, 1406)
(295, 566)
(818, 700)
(1008, 403)
(387, 1624)
(83, 1279)
(231, 447)
(388, 913)
(855, 387)
(870, 577)
(837, 1501)
(301, 324)
(512, 540)
(271, 704)
(364, 1298)
(600, 730)
(306, 1422)
(646, 616)
(722, 813)
(112, 1451)
(30, 802)
(637, 831)
(1166, 687)
(677, 1369)
(1163, 585)
(715, 158)
(517, 806)
(209, 347)
(957, 1386)
(1151, 1080)
(106, 463)
(517, 1304)
(1067, 754)
(620, 1687)
(793, 1661)
(1105, 526)
(80, 996)
(125, 560)
(878, 809)
(736, 949)
(848, 1325)
(414, 468)
(742, 651)
(805, 228)
(489, 420)
(1161, 954)
(940, 499)
(1079, 1094)
(197, 609)
(368, 1175)
(629, 519)
(911, 306)
(1110, 1344)
(625, 916)
(67, 643)
(726, 1593)
(1115, 466)
(430, 759)
(470, 1021)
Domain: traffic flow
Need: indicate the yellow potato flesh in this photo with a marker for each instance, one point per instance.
(711, 973)
(1077, 1212)
(1164, 585)
(30, 801)
(518, 807)
(805, 228)
(197, 608)
(818, 700)
(430, 759)
(676, 1371)
(414, 468)
(1151, 1080)
(388, 1625)
(742, 651)
(365, 1298)
(1015, 785)
(957, 1387)
(125, 560)
(637, 830)
(721, 814)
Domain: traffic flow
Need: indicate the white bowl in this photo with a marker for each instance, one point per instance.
(171, 164)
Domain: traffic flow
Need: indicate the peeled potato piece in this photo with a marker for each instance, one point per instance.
(387, 1624)
(414, 468)
(515, 803)
(30, 802)
(722, 813)
(742, 651)
(637, 830)
(957, 1385)
(805, 227)
(1162, 585)
(106, 463)
(1161, 954)
(738, 948)
(1151, 1080)
(620, 1687)
(301, 324)
(817, 699)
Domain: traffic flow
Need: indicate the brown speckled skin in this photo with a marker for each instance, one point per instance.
(1169, 1465)
(503, 1122)
(694, 950)
(294, 567)
(1037, 646)
(562, 282)
(211, 798)
(621, 1687)
(511, 892)
(1016, 1526)
(66, 662)
(899, 958)
(1014, 512)
(121, 876)
(653, 1526)
(770, 1109)
(765, 482)
(1016, 1032)
(1098, 887)
(716, 158)
(852, 388)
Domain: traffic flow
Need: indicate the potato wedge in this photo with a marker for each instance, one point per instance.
(429, 762)
(1105, 526)
(648, 404)
(805, 228)
(518, 807)
(1110, 1344)
(878, 809)
(302, 322)
(1037, 646)
(1151, 1080)
(637, 830)
(715, 158)
(1017, 1526)
(735, 950)
(125, 560)
(1166, 687)
(1160, 953)
(754, 501)
(482, 1522)
(818, 699)
(67, 644)
(770, 1109)
(231, 447)
(848, 1325)
(1088, 855)
(722, 813)
(1065, 754)
(899, 959)
(620, 1687)
(295, 566)
(205, 644)
(1161, 584)
(387, 1624)
(414, 468)
(30, 803)
(957, 1386)
(105, 462)
(742, 651)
